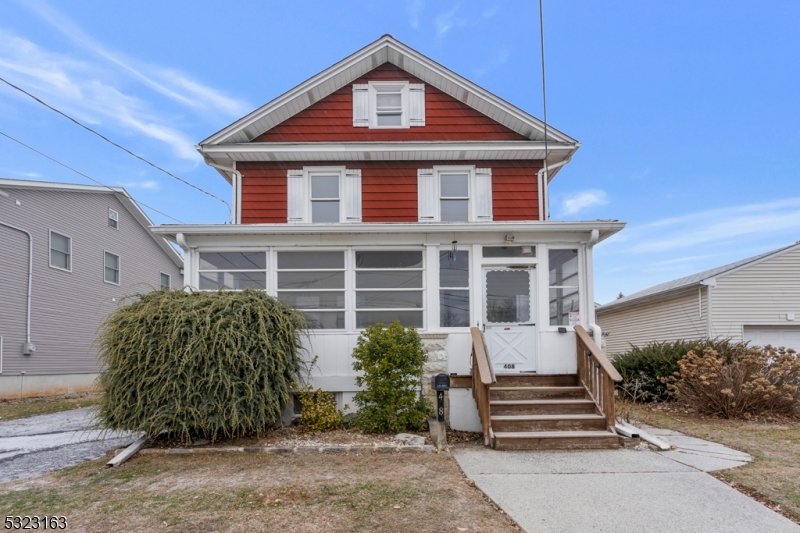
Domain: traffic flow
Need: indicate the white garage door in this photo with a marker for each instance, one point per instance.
(787, 336)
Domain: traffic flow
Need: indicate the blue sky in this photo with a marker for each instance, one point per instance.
(687, 111)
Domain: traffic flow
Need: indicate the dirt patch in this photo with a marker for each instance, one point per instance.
(308, 493)
(11, 409)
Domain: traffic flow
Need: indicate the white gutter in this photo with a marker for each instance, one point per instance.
(28, 346)
(544, 200)
(237, 186)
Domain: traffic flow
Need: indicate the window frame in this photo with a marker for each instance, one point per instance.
(118, 270)
(345, 270)
(308, 174)
(265, 270)
(50, 251)
(114, 218)
(579, 288)
(469, 170)
(169, 281)
(355, 290)
(470, 300)
(403, 87)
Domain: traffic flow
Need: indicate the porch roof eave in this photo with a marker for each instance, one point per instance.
(605, 228)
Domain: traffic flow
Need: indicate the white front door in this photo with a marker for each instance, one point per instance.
(510, 328)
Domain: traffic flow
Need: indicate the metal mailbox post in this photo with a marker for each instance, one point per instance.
(440, 383)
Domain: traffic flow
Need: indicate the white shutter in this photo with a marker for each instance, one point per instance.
(427, 195)
(360, 105)
(296, 198)
(482, 194)
(416, 104)
(351, 195)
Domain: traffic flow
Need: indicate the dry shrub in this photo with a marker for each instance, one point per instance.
(760, 380)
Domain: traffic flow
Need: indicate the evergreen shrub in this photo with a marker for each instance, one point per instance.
(644, 369)
(391, 361)
(210, 364)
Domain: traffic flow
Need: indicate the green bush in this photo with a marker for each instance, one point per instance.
(391, 361)
(319, 411)
(211, 364)
(644, 369)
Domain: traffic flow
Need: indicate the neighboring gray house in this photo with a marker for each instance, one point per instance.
(90, 246)
(756, 300)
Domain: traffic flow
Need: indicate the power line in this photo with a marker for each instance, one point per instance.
(544, 95)
(84, 175)
(87, 128)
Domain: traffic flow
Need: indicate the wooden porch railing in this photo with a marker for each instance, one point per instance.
(596, 373)
(482, 379)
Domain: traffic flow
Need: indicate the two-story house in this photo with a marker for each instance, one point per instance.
(388, 187)
(68, 254)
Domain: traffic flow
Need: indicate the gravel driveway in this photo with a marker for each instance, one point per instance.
(32, 446)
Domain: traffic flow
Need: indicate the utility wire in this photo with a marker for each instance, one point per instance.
(87, 128)
(84, 175)
(544, 94)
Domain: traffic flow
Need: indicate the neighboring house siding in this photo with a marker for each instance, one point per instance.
(68, 307)
(761, 294)
(331, 119)
(13, 288)
(675, 317)
(389, 189)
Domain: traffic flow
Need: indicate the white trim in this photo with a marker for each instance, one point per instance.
(161, 285)
(115, 218)
(119, 268)
(402, 86)
(50, 248)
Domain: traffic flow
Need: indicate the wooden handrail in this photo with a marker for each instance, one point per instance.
(597, 374)
(482, 378)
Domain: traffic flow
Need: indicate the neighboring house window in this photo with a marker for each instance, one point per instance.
(388, 104)
(165, 285)
(113, 218)
(388, 288)
(453, 289)
(564, 288)
(60, 251)
(323, 195)
(315, 283)
(454, 194)
(233, 270)
(111, 268)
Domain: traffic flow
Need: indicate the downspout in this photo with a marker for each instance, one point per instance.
(237, 184)
(597, 332)
(28, 348)
(543, 181)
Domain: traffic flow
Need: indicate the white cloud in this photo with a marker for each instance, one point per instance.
(414, 8)
(149, 184)
(448, 20)
(582, 200)
(168, 82)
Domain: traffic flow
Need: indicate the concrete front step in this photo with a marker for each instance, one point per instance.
(560, 422)
(542, 407)
(533, 393)
(554, 440)
(534, 380)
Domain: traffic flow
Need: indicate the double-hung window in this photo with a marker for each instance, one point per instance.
(454, 194)
(113, 218)
(320, 195)
(314, 282)
(325, 197)
(564, 287)
(233, 270)
(453, 289)
(60, 251)
(388, 287)
(111, 268)
(388, 104)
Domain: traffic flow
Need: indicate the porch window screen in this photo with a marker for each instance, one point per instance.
(314, 282)
(453, 289)
(564, 288)
(388, 288)
(233, 270)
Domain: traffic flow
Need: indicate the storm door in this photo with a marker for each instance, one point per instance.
(510, 328)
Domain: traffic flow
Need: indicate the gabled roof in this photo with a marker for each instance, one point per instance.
(386, 49)
(706, 277)
(120, 193)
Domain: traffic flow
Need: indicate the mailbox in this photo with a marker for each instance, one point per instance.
(440, 382)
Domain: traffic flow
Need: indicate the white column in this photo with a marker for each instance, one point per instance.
(432, 286)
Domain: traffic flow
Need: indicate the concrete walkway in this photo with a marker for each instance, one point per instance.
(626, 490)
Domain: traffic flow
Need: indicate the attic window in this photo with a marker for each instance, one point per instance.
(113, 218)
(388, 104)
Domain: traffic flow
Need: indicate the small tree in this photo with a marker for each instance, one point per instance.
(391, 360)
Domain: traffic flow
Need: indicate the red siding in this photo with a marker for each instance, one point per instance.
(331, 119)
(389, 189)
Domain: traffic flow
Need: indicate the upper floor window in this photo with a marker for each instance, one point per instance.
(60, 251)
(111, 268)
(113, 218)
(388, 104)
(323, 195)
(564, 288)
(454, 194)
(165, 282)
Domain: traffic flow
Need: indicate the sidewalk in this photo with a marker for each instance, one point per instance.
(622, 490)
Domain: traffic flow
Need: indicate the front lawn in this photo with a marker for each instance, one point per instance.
(10, 409)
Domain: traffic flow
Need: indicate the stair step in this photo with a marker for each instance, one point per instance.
(554, 440)
(532, 393)
(556, 422)
(535, 380)
(541, 407)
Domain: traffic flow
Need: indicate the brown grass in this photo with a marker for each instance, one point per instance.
(774, 443)
(420, 492)
(11, 409)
